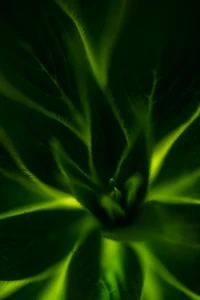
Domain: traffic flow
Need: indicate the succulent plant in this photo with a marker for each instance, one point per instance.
(99, 150)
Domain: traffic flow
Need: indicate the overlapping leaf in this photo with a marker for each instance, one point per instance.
(34, 241)
(103, 270)
(85, 102)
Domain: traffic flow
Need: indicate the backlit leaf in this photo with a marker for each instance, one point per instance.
(33, 242)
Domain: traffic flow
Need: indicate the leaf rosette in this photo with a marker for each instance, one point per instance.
(99, 150)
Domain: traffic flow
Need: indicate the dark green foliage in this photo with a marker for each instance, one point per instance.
(29, 240)
(99, 100)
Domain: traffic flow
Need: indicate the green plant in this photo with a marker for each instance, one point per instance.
(99, 150)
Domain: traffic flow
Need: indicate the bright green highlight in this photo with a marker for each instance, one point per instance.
(66, 203)
(163, 147)
(7, 143)
(175, 189)
(110, 263)
(151, 288)
(8, 288)
(83, 35)
(56, 289)
(98, 60)
(153, 263)
(86, 59)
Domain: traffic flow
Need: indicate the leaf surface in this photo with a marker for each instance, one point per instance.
(34, 241)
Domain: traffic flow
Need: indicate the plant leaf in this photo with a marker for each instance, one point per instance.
(103, 270)
(27, 142)
(158, 282)
(178, 179)
(169, 291)
(121, 273)
(31, 291)
(180, 261)
(19, 192)
(168, 160)
(84, 268)
(99, 40)
(43, 286)
(174, 240)
(80, 184)
(34, 241)
(105, 126)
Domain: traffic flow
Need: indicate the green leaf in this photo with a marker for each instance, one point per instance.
(121, 273)
(169, 161)
(105, 125)
(27, 142)
(132, 174)
(29, 291)
(22, 193)
(46, 286)
(177, 163)
(84, 188)
(34, 241)
(170, 292)
(133, 279)
(41, 287)
(156, 61)
(110, 81)
(155, 286)
(103, 270)
(84, 268)
(98, 41)
(157, 278)
(19, 192)
(174, 241)
(38, 77)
